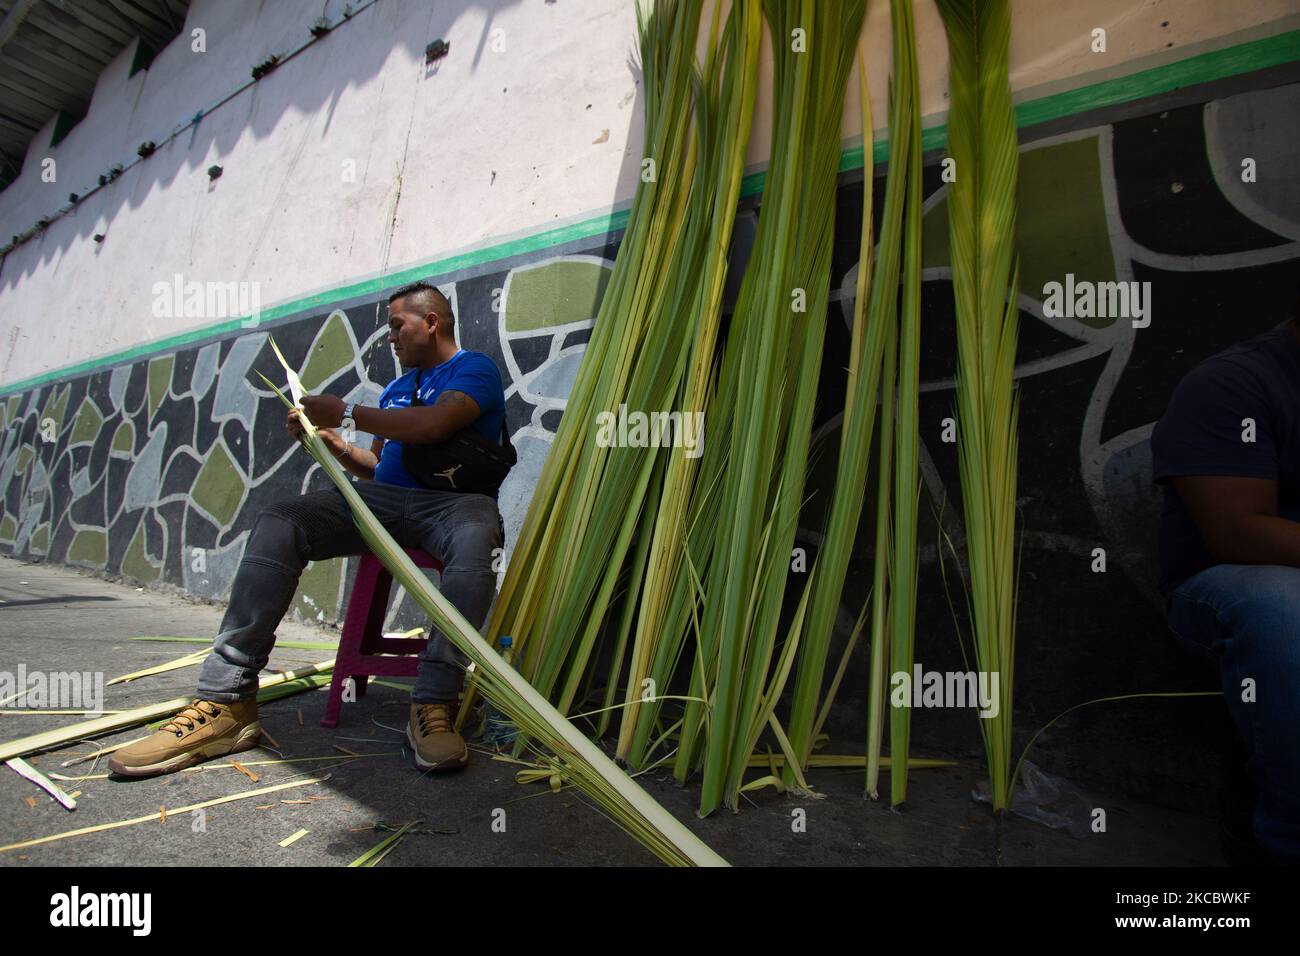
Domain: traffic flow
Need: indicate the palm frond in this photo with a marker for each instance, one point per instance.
(982, 225)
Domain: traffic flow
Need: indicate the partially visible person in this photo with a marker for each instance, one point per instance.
(1227, 452)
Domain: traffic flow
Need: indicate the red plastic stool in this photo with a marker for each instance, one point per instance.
(363, 647)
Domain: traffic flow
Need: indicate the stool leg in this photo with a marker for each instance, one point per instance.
(334, 702)
(370, 577)
(373, 628)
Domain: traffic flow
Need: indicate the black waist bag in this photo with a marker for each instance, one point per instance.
(468, 461)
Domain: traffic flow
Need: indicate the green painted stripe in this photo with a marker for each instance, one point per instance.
(1202, 68)
(599, 226)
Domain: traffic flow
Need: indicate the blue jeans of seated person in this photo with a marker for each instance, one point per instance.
(461, 530)
(1247, 618)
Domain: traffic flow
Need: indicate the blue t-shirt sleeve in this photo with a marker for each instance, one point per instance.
(1204, 430)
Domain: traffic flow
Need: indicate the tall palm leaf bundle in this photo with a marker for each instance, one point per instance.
(772, 365)
(572, 539)
(698, 551)
(872, 360)
(884, 356)
(723, 526)
(595, 530)
(724, 110)
(982, 220)
(685, 330)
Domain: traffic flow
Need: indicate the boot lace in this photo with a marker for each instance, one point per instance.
(191, 717)
(434, 718)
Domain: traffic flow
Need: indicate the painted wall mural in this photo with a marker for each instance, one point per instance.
(157, 469)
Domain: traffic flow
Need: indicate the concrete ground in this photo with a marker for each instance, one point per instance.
(54, 618)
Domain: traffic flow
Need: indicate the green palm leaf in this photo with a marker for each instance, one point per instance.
(982, 223)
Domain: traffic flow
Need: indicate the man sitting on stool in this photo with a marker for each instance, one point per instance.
(456, 389)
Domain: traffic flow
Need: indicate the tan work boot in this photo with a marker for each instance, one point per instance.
(431, 732)
(201, 731)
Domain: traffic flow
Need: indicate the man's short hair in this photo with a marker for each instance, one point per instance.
(425, 298)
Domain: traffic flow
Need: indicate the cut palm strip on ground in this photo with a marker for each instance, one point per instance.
(621, 798)
(189, 660)
(848, 761)
(161, 817)
(377, 852)
(280, 645)
(272, 688)
(981, 227)
(208, 767)
(28, 772)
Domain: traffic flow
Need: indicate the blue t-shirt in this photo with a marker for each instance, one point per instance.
(1201, 433)
(473, 373)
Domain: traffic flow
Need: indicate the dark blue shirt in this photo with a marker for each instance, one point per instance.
(1201, 433)
(473, 373)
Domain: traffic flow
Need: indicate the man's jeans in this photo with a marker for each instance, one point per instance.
(1247, 618)
(461, 530)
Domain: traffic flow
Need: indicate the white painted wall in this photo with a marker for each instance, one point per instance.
(531, 120)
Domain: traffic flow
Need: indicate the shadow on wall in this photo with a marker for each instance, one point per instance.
(353, 53)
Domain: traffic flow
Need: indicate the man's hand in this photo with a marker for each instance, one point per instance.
(332, 439)
(292, 425)
(325, 411)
